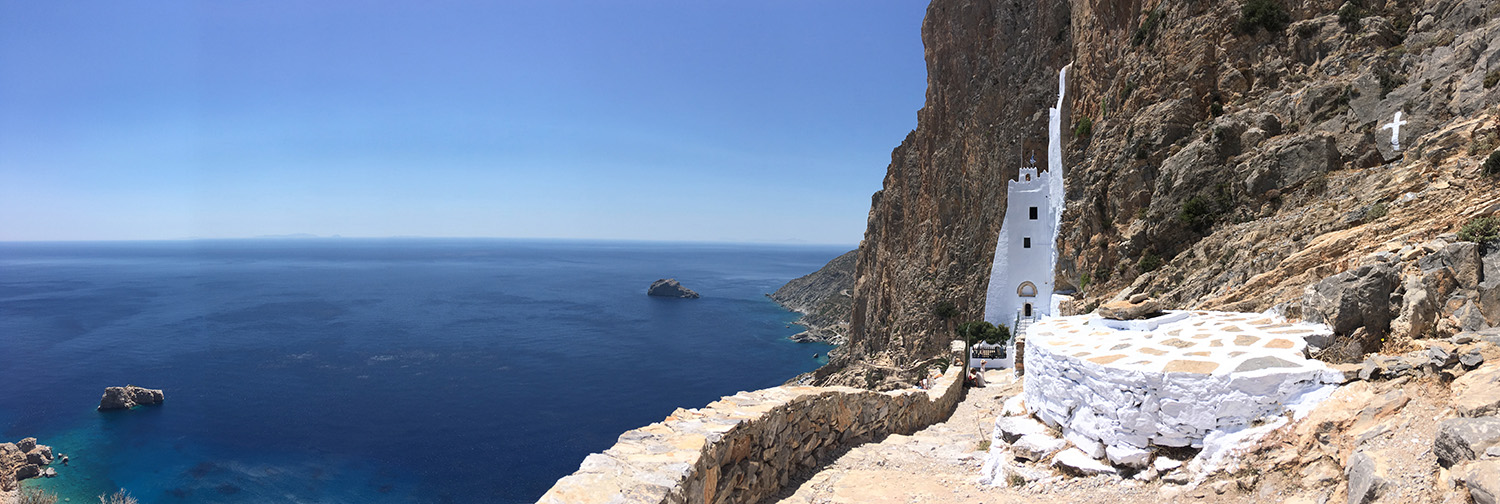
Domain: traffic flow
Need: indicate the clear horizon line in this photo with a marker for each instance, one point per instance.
(311, 237)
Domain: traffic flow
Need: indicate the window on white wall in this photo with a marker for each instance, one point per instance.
(1033, 213)
(1026, 242)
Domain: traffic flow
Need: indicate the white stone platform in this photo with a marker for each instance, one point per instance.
(1169, 381)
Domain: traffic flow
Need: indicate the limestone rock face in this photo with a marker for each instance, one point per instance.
(22, 460)
(668, 287)
(129, 396)
(1462, 439)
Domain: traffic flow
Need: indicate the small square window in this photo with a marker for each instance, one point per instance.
(1026, 242)
(1033, 213)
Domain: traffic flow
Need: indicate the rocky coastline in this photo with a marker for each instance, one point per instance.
(825, 300)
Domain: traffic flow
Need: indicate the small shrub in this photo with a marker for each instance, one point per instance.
(1144, 32)
(1101, 273)
(1265, 14)
(1197, 213)
(1388, 82)
(1492, 79)
(120, 497)
(1481, 230)
(945, 310)
(1216, 109)
(36, 496)
(1149, 262)
(1349, 16)
(1375, 212)
(1084, 127)
(1083, 282)
(1015, 480)
(983, 446)
(1492, 165)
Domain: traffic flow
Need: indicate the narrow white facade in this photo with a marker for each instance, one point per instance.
(1026, 252)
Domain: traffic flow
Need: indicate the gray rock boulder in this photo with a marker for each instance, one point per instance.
(1360, 297)
(1462, 439)
(129, 396)
(1364, 480)
(1483, 481)
(668, 287)
(1462, 258)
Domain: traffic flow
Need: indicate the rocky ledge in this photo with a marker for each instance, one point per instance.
(824, 298)
(23, 460)
(668, 287)
(124, 398)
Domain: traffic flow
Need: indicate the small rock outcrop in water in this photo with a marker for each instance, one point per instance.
(668, 287)
(118, 398)
(21, 460)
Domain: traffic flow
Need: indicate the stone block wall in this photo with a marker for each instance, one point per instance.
(748, 446)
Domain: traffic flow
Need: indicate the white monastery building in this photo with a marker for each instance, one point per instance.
(1020, 287)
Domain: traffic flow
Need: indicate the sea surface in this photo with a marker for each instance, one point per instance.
(394, 370)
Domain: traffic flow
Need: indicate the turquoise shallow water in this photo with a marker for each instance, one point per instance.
(374, 370)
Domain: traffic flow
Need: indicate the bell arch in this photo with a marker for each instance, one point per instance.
(1027, 289)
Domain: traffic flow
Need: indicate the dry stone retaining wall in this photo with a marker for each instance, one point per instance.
(748, 446)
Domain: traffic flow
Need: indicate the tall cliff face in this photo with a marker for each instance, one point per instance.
(1232, 156)
(992, 70)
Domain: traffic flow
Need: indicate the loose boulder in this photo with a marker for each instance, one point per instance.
(1364, 482)
(668, 287)
(1130, 309)
(1463, 439)
(1353, 299)
(129, 396)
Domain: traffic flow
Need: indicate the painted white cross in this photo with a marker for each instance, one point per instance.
(1395, 127)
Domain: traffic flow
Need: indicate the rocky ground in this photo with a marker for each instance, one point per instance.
(1416, 436)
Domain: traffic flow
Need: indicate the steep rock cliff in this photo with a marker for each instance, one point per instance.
(1221, 156)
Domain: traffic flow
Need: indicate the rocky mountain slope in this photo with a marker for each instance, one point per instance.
(1224, 154)
(824, 298)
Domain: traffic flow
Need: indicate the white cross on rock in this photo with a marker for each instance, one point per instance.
(1395, 127)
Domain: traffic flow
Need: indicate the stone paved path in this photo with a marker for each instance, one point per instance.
(937, 464)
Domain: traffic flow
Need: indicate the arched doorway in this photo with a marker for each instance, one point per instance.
(1026, 311)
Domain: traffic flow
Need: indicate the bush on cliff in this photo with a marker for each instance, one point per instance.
(1492, 165)
(1263, 14)
(1481, 230)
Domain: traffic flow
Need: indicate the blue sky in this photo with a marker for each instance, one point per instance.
(695, 120)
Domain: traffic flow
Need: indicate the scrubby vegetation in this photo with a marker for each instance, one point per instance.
(1375, 212)
(1492, 165)
(1481, 230)
(1265, 14)
(1084, 127)
(945, 310)
(36, 496)
(979, 330)
(1149, 262)
(1492, 79)
(1147, 28)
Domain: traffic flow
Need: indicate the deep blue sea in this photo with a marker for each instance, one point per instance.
(394, 370)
